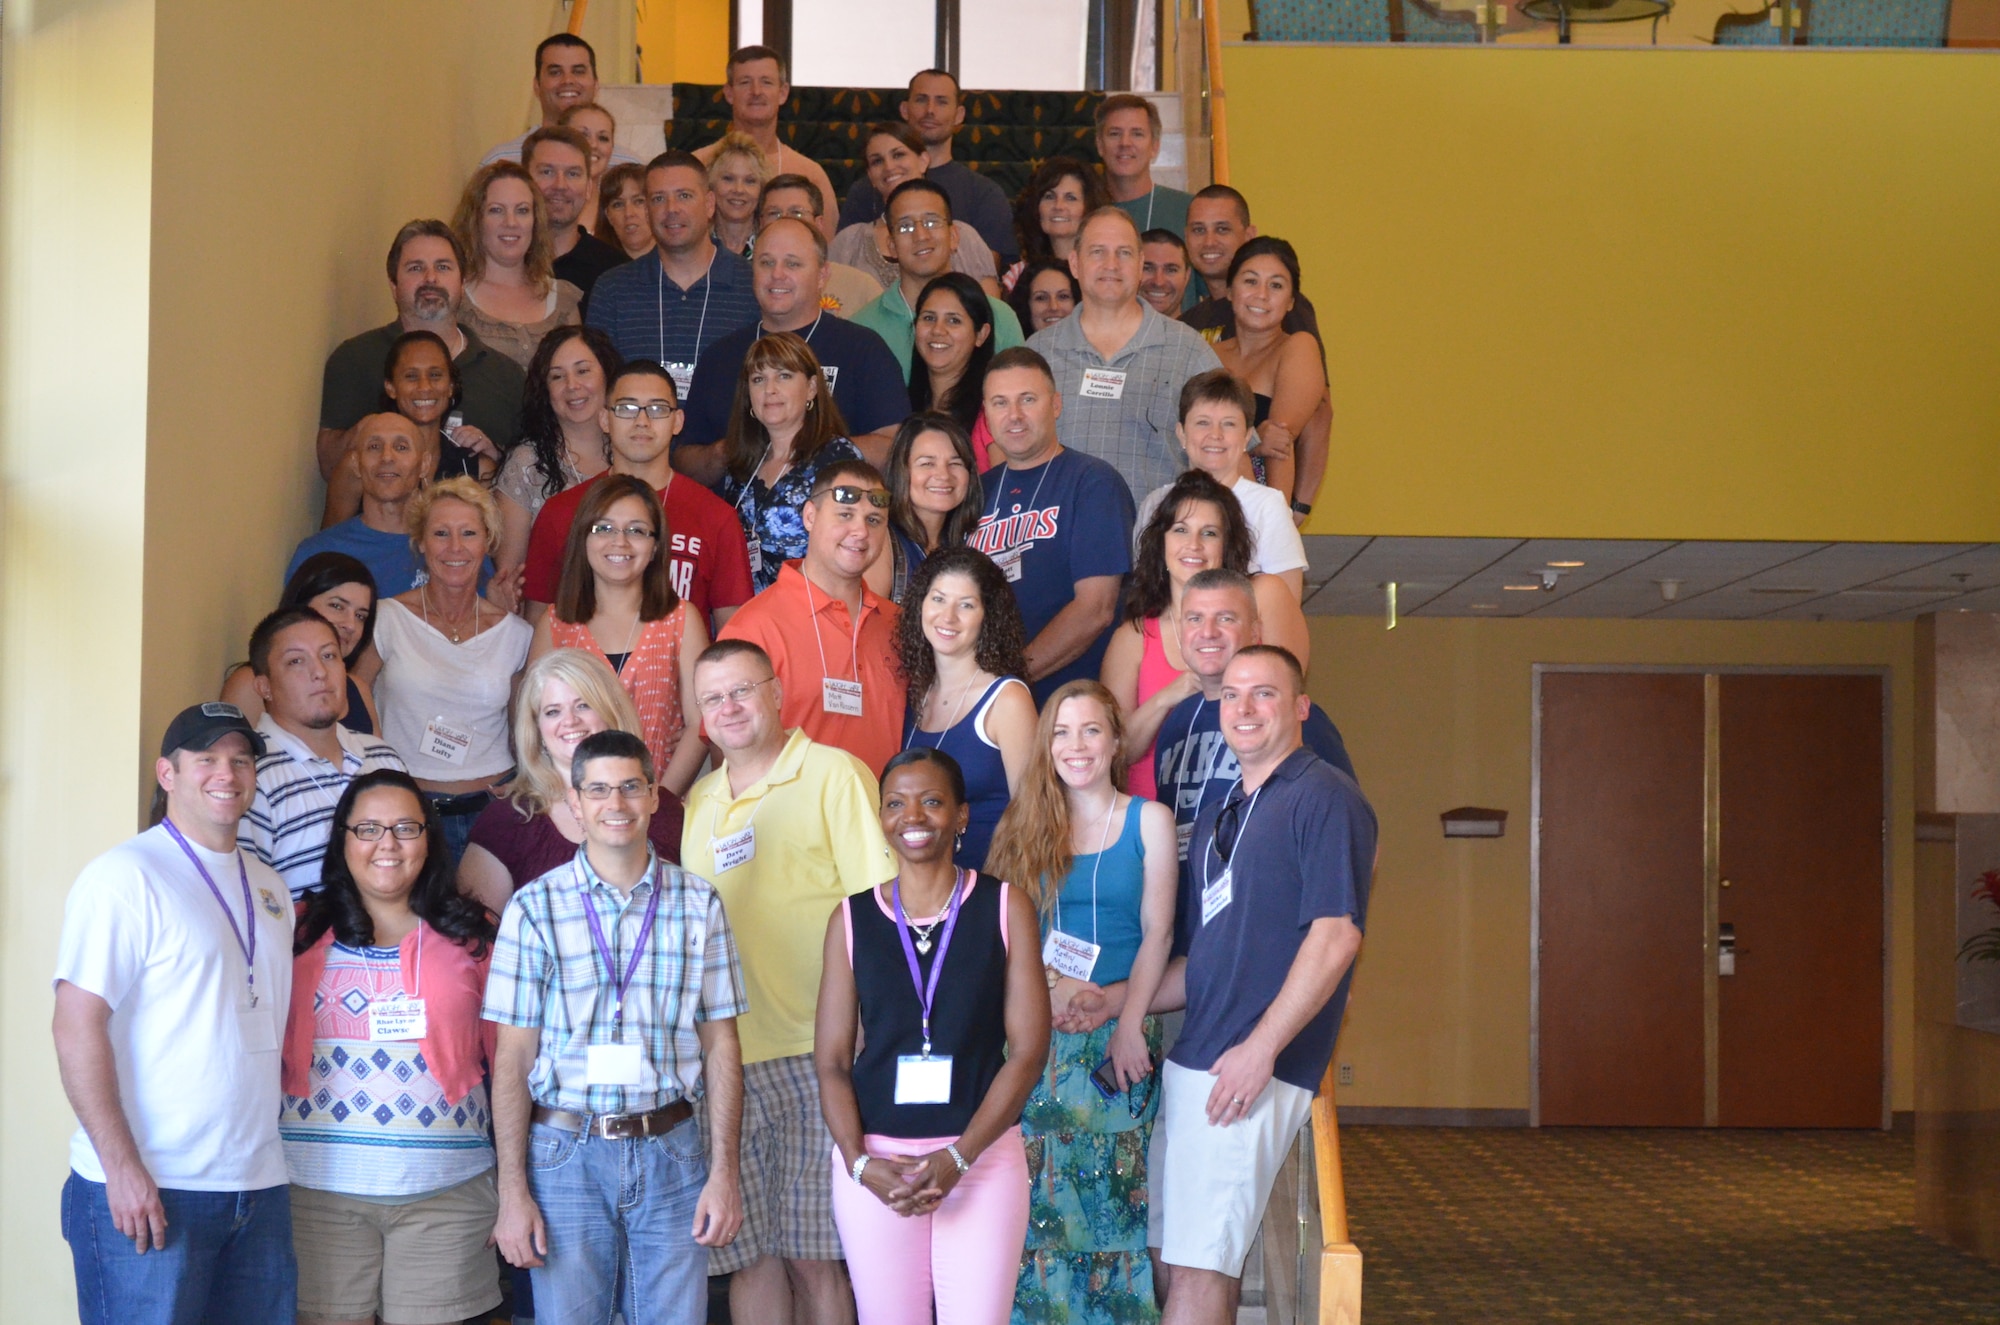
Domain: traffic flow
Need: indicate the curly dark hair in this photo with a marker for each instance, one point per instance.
(1028, 204)
(540, 428)
(1152, 588)
(1022, 298)
(1003, 640)
(435, 898)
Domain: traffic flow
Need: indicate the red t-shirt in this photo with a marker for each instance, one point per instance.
(711, 562)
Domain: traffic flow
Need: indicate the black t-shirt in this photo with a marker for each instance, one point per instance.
(867, 381)
(583, 264)
(490, 399)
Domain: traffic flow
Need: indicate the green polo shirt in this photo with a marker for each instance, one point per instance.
(889, 317)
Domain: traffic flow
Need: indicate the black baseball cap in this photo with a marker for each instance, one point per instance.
(200, 726)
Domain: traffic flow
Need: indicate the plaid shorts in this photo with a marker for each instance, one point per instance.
(787, 1198)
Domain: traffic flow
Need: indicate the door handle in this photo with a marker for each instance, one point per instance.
(1725, 949)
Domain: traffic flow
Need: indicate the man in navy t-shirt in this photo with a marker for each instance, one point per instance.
(1282, 867)
(788, 276)
(1058, 523)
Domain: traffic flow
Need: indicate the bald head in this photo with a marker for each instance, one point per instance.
(390, 452)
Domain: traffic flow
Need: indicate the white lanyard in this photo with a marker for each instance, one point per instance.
(813, 612)
(716, 814)
(806, 335)
(1096, 863)
(944, 731)
(1150, 195)
(1241, 829)
(660, 302)
(1043, 478)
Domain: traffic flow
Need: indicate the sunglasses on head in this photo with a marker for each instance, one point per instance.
(849, 495)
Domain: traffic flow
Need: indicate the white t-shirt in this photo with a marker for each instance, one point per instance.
(197, 1065)
(1275, 544)
(444, 705)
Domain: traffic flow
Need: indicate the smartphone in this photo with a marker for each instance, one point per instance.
(1105, 1078)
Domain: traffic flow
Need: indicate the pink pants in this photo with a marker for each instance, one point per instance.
(967, 1253)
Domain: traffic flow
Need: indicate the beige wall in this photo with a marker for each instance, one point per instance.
(1438, 714)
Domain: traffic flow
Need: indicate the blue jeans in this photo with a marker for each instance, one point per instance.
(228, 1259)
(620, 1216)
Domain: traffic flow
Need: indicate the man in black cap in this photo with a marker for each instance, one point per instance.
(173, 981)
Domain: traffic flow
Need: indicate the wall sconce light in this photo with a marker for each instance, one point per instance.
(1471, 821)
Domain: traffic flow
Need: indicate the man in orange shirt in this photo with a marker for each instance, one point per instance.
(831, 640)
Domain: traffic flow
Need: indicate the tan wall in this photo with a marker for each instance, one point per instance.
(1438, 714)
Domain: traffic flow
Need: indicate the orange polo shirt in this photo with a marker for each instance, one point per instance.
(811, 636)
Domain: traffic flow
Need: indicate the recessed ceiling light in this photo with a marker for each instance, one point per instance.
(1565, 565)
(1522, 588)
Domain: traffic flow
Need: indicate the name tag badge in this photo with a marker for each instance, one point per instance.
(1069, 955)
(1009, 562)
(842, 697)
(1182, 834)
(1215, 897)
(921, 1080)
(258, 1026)
(832, 372)
(399, 1019)
(1103, 384)
(734, 849)
(613, 1065)
(446, 740)
(683, 375)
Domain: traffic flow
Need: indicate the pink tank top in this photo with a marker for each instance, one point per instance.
(651, 675)
(1155, 675)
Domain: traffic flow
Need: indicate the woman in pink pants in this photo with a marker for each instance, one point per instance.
(930, 1181)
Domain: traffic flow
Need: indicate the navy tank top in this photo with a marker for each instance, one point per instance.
(357, 720)
(985, 772)
(968, 1021)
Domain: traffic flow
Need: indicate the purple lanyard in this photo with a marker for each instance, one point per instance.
(248, 946)
(638, 947)
(926, 993)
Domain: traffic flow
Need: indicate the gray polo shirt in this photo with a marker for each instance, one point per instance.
(1123, 409)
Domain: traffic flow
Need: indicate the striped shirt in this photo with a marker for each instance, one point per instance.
(292, 816)
(547, 974)
(650, 317)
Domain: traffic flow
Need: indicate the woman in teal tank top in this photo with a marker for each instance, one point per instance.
(1102, 866)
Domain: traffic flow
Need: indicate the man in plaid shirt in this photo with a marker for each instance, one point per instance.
(616, 985)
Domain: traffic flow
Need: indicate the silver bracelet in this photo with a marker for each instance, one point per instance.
(859, 1164)
(956, 1158)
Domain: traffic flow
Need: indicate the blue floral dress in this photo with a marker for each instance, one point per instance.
(1085, 1262)
(770, 514)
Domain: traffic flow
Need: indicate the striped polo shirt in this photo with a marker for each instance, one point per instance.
(292, 816)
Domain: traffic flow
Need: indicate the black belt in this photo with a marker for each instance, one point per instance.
(617, 1126)
(464, 802)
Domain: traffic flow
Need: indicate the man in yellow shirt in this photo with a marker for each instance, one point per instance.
(784, 830)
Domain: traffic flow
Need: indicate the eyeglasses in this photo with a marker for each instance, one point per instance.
(638, 533)
(652, 409)
(734, 695)
(630, 789)
(853, 496)
(796, 213)
(406, 830)
(909, 225)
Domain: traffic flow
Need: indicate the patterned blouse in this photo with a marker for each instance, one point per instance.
(770, 514)
(652, 676)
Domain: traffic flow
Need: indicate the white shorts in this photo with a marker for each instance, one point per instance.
(1209, 1184)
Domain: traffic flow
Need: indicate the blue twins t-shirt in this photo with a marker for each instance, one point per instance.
(1048, 527)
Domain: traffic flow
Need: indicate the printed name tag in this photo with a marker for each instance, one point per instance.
(1009, 561)
(613, 1065)
(1215, 897)
(446, 740)
(734, 849)
(1182, 833)
(683, 375)
(842, 697)
(400, 1019)
(832, 372)
(1103, 384)
(921, 1080)
(1069, 955)
(259, 1027)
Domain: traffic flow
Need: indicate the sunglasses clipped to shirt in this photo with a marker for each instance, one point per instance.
(848, 495)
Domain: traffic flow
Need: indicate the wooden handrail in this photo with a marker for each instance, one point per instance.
(577, 9)
(1339, 1258)
(1218, 108)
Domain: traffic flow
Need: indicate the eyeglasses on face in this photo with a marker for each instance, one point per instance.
(709, 703)
(848, 495)
(629, 789)
(652, 409)
(635, 532)
(909, 225)
(405, 830)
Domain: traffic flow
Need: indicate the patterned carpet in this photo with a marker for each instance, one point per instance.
(1765, 1228)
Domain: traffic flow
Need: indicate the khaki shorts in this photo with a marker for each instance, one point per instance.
(1209, 1184)
(424, 1263)
(787, 1200)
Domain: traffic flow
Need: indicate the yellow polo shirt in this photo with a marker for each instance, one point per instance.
(818, 838)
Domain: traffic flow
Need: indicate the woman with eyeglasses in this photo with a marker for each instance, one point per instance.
(893, 153)
(783, 429)
(1102, 868)
(616, 599)
(342, 590)
(935, 499)
(385, 1121)
(934, 975)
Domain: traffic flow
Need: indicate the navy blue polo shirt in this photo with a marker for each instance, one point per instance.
(649, 317)
(1302, 852)
(867, 382)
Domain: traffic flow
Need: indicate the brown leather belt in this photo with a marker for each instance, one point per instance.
(617, 1126)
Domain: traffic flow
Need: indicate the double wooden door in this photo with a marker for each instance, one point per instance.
(1710, 899)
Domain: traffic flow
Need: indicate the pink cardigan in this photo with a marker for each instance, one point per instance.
(459, 1045)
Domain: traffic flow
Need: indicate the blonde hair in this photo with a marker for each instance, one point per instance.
(737, 143)
(458, 488)
(537, 787)
(1031, 847)
(541, 256)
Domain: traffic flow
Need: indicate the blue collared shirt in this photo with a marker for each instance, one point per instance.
(649, 317)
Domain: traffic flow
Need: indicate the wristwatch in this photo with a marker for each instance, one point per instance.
(956, 1158)
(860, 1163)
(1303, 508)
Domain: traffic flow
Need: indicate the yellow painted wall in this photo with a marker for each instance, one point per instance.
(1438, 714)
(683, 41)
(1641, 294)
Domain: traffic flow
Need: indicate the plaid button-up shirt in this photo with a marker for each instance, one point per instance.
(547, 974)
